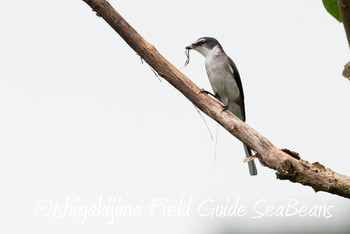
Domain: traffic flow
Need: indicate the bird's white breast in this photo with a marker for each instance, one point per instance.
(221, 78)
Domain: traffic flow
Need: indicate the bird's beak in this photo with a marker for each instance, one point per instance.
(189, 47)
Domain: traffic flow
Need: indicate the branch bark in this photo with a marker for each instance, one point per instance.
(344, 9)
(288, 165)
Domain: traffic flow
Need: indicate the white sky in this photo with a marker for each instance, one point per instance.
(83, 120)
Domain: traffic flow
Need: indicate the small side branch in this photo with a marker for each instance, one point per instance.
(288, 167)
(344, 9)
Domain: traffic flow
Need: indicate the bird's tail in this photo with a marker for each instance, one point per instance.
(251, 164)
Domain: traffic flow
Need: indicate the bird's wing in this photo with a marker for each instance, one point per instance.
(237, 78)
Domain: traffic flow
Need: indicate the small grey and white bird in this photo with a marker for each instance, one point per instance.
(225, 81)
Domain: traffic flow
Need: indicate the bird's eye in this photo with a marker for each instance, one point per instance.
(200, 43)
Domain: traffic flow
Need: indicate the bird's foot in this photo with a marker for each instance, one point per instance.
(207, 92)
(224, 108)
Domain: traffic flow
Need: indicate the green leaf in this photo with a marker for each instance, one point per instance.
(332, 8)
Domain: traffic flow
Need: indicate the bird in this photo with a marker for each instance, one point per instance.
(225, 81)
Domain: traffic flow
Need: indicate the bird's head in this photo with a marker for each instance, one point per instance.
(205, 45)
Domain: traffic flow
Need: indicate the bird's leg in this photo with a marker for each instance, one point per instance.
(215, 96)
(225, 107)
(209, 93)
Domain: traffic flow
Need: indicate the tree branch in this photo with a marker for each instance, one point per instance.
(344, 9)
(288, 165)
